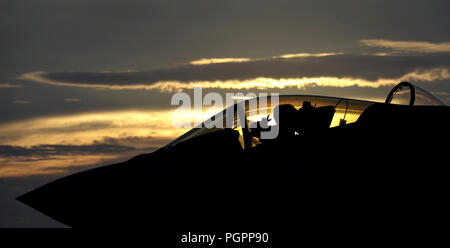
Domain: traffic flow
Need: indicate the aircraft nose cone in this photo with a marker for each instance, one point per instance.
(102, 196)
(53, 200)
(87, 197)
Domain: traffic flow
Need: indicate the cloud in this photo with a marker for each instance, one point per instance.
(290, 70)
(305, 55)
(205, 61)
(72, 99)
(55, 144)
(49, 150)
(88, 128)
(138, 142)
(21, 102)
(10, 86)
(57, 159)
(44, 159)
(19, 161)
(408, 46)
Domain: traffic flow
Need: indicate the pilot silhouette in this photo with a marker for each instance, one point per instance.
(285, 114)
(287, 118)
(304, 116)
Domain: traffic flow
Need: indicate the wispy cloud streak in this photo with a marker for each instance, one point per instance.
(291, 70)
(72, 99)
(205, 61)
(408, 46)
(10, 86)
(306, 55)
(21, 102)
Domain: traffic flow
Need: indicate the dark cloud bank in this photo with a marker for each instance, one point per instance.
(368, 67)
(107, 145)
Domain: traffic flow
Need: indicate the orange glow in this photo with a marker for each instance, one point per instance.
(86, 128)
(306, 55)
(139, 130)
(206, 61)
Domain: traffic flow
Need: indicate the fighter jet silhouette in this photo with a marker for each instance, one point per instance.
(334, 159)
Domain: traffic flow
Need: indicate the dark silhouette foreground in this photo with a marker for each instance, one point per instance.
(386, 170)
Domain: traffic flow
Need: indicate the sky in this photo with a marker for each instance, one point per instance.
(89, 83)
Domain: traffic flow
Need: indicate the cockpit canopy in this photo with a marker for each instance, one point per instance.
(406, 93)
(317, 113)
(344, 111)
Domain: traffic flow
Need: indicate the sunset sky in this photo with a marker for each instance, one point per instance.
(88, 83)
